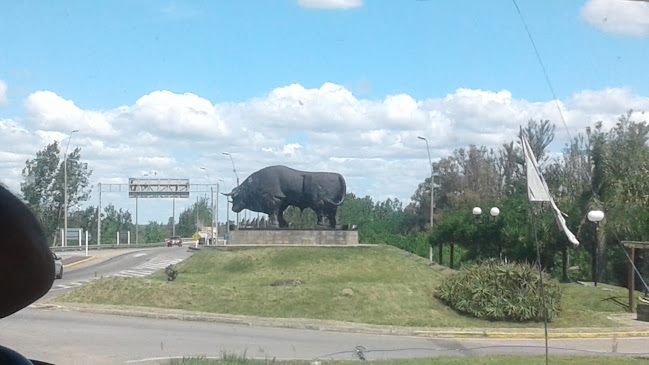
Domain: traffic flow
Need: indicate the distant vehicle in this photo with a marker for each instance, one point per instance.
(175, 240)
(58, 266)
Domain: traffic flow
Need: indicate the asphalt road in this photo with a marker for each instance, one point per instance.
(123, 262)
(66, 337)
(82, 338)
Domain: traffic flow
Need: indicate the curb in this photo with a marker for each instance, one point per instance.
(533, 335)
(319, 325)
(79, 262)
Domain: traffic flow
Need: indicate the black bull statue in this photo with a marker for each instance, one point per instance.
(272, 189)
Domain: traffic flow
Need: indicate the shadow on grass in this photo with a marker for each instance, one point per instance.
(617, 302)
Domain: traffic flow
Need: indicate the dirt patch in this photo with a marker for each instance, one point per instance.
(287, 282)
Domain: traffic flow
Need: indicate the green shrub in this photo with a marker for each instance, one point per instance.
(171, 272)
(501, 291)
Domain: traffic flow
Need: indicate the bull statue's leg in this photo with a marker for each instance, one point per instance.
(331, 215)
(320, 213)
(272, 220)
(280, 216)
(320, 216)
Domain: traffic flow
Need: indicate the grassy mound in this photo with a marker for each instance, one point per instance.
(376, 285)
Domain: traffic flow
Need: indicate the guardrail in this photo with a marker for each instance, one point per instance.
(107, 246)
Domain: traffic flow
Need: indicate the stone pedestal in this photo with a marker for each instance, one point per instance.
(643, 312)
(293, 237)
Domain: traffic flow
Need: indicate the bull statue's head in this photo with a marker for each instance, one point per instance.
(238, 201)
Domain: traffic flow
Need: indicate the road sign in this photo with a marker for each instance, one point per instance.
(196, 236)
(158, 188)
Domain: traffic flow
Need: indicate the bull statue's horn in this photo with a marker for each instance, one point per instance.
(234, 191)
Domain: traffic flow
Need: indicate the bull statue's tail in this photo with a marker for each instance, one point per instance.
(343, 191)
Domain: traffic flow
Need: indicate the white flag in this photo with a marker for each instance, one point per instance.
(537, 189)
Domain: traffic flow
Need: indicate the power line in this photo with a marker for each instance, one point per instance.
(545, 73)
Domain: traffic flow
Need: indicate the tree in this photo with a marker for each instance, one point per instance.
(300, 218)
(86, 219)
(194, 218)
(619, 183)
(154, 232)
(43, 184)
(355, 210)
(465, 178)
(539, 134)
(114, 221)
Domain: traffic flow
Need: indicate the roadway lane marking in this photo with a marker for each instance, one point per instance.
(139, 255)
(79, 262)
(147, 268)
(71, 285)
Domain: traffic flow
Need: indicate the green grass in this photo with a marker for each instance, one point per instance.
(480, 360)
(603, 298)
(390, 287)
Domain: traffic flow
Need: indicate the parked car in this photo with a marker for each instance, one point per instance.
(175, 241)
(58, 266)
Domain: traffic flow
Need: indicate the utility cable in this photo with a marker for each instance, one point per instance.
(545, 73)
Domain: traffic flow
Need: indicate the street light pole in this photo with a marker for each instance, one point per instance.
(595, 216)
(227, 212)
(237, 176)
(216, 214)
(432, 195)
(211, 199)
(65, 190)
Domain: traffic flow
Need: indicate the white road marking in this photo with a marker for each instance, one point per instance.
(148, 268)
(140, 271)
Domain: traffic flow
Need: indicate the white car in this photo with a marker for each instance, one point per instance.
(58, 267)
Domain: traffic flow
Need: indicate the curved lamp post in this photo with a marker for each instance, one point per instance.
(214, 235)
(227, 210)
(595, 216)
(237, 176)
(432, 195)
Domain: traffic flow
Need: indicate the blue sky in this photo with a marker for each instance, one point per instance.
(194, 78)
(235, 50)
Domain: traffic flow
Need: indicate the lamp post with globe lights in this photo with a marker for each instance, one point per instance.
(494, 212)
(477, 212)
(595, 216)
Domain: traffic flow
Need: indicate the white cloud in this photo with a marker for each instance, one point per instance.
(186, 114)
(291, 148)
(330, 4)
(627, 17)
(373, 143)
(48, 111)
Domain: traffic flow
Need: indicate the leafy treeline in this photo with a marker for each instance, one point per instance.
(597, 169)
(42, 187)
